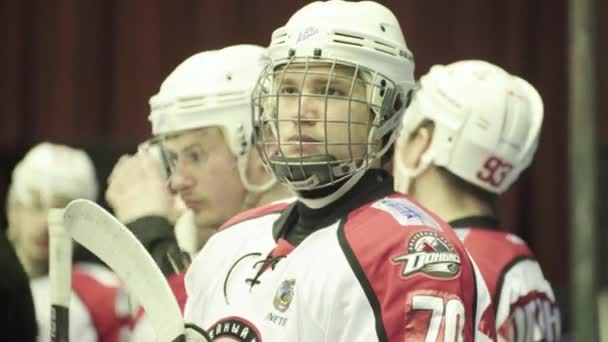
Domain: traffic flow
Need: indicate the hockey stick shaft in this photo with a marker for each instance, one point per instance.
(60, 274)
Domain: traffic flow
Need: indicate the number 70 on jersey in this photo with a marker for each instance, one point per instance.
(444, 317)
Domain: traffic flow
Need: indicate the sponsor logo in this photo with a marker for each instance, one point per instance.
(406, 212)
(276, 319)
(431, 254)
(234, 329)
(284, 295)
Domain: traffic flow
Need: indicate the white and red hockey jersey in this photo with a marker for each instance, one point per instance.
(387, 270)
(524, 303)
(99, 307)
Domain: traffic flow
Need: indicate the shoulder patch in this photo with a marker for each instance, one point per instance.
(406, 212)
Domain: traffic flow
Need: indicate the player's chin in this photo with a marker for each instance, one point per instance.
(206, 218)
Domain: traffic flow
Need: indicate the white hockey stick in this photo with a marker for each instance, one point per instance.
(60, 275)
(101, 233)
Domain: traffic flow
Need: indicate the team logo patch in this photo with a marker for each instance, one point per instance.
(431, 254)
(234, 329)
(284, 294)
(406, 212)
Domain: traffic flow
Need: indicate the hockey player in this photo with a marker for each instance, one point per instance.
(201, 120)
(50, 176)
(201, 117)
(348, 260)
(470, 131)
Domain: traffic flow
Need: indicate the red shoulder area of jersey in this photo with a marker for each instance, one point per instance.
(255, 212)
(402, 253)
(107, 308)
(493, 251)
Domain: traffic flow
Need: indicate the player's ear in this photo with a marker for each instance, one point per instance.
(418, 143)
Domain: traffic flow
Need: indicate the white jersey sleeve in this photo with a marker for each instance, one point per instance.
(524, 303)
(527, 309)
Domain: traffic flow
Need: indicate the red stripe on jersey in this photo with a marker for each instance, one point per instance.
(399, 301)
(255, 212)
(101, 301)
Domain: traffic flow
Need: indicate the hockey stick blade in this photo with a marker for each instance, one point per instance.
(60, 272)
(101, 233)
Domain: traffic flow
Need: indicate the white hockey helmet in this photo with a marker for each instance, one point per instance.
(53, 170)
(212, 89)
(365, 36)
(486, 124)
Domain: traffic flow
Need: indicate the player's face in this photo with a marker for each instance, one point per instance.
(205, 175)
(321, 111)
(29, 227)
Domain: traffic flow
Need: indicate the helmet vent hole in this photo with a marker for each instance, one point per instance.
(347, 43)
(229, 77)
(382, 27)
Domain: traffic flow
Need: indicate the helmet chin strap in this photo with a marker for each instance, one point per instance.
(254, 191)
(404, 175)
(254, 188)
(310, 177)
(316, 203)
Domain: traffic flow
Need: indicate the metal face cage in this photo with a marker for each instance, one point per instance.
(319, 121)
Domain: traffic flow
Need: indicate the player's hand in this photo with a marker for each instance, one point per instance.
(137, 188)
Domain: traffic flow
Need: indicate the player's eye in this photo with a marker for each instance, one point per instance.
(288, 90)
(194, 156)
(335, 91)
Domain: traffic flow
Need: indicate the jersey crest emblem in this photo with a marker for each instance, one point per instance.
(431, 254)
(284, 294)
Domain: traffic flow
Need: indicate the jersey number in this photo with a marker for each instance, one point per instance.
(494, 171)
(451, 313)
